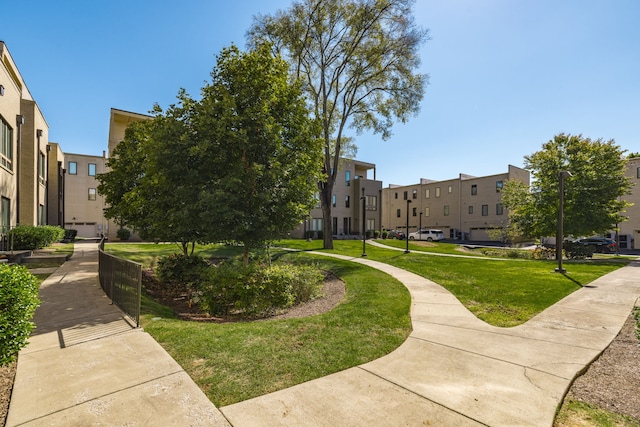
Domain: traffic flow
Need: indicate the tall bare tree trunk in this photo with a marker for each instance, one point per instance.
(325, 203)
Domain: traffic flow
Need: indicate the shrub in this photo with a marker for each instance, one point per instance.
(69, 235)
(123, 234)
(18, 302)
(258, 290)
(29, 237)
(385, 234)
(542, 252)
(578, 251)
(184, 272)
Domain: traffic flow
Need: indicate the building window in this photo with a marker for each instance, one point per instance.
(485, 210)
(638, 173)
(5, 215)
(406, 195)
(92, 194)
(427, 193)
(415, 212)
(372, 203)
(470, 210)
(450, 189)
(398, 213)
(41, 215)
(437, 191)
(396, 195)
(498, 186)
(333, 200)
(426, 211)
(41, 167)
(347, 201)
(6, 151)
(499, 209)
(316, 224)
(347, 178)
(474, 190)
(446, 210)
(414, 194)
(92, 169)
(73, 168)
(371, 224)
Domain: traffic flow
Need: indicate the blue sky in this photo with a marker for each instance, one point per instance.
(505, 75)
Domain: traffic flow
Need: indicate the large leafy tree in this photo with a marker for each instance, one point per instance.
(594, 193)
(358, 61)
(258, 137)
(238, 165)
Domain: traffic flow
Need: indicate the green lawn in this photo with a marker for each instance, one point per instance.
(504, 292)
(236, 361)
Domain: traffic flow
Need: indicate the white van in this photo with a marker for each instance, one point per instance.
(429, 235)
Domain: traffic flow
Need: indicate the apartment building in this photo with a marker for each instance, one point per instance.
(466, 207)
(55, 190)
(23, 152)
(355, 202)
(629, 231)
(84, 207)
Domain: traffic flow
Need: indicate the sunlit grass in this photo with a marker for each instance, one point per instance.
(236, 361)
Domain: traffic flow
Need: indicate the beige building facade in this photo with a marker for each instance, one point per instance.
(84, 207)
(355, 202)
(629, 231)
(23, 150)
(465, 208)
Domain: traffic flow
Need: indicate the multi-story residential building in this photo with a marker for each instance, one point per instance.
(23, 150)
(466, 207)
(84, 207)
(629, 231)
(56, 183)
(355, 202)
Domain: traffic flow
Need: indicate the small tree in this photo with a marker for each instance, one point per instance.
(264, 149)
(239, 165)
(593, 194)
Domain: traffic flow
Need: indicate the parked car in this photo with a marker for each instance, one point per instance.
(429, 235)
(601, 244)
(396, 234)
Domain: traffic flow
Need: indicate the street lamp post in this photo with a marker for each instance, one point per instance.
(560, 231)
(406, 251)
(364, 232)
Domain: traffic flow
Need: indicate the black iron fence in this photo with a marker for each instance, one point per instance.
(121, 280)
(6, 239)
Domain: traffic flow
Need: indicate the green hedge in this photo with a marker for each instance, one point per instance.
(258, 290)
(18, 301)
(29, 237)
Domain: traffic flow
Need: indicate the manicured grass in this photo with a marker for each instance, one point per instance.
(237, 361)
(148, 254)
(423, 246)
(504, 292)
(575, 413)
(234, 362)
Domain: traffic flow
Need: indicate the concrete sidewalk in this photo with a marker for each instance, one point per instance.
(86, 365)
(455, 369)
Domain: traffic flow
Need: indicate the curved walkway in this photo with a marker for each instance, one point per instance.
(86, 365)
(455, 369)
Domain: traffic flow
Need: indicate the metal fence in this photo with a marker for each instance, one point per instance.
(6, 239)
(121, 280)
